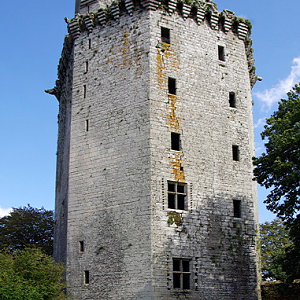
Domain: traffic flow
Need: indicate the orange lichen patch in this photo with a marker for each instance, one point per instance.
(164, 57)
(172, 119)
(125, 50)
(160, 70)
(176, 160)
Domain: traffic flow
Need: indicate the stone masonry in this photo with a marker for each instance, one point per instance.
(154, 195)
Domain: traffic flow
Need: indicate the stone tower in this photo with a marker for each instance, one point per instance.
(154, 195)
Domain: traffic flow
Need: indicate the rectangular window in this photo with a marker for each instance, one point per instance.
(81, 246)
(90, 43)
(221, 51)
(86, 277)
(232, 102)
(171, 86)
(237, 213)
(86, 68)
(235, 153)
(181, 273)
(86, 125)
(177, 195)
(165, 35)
(84, 91)
(175, 141)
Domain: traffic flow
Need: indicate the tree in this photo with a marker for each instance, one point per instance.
(29, 275)
(274, 240)
(27, 226)
(279, 167)
(279, 170)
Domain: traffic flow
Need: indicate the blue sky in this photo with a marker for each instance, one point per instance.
(32, 37)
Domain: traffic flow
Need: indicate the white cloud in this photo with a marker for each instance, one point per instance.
(4, 211)
(260, 122)
(274, 94)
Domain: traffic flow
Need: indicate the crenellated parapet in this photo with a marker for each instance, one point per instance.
(198, 10)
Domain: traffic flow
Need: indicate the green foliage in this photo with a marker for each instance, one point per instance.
(274, 240)
(27, 226)
(279, 167)
(29, 275)
(279, 170)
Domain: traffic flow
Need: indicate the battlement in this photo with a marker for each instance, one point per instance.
(200, 11)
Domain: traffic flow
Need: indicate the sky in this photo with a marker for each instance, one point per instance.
(32, 34)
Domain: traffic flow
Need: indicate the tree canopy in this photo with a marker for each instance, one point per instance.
(27, 226)
(29, 275)
(279, 168)
(274, 240)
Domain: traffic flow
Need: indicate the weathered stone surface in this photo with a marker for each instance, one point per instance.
(115, 159)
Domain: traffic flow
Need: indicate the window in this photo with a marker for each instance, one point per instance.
(181, 273)
(177, 195)
(237, 209)
(175, 141)
(81, 246)
(86, 125)
(86, 67)
(235, 153)
(86, 277)
(90, 43)
(171, 86)
(221, 51)
(232, 102)
(165, 35)
(84, 91)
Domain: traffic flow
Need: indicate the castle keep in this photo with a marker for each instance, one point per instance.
(154, 195)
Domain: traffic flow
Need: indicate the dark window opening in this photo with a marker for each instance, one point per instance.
(165, 35)
(175, 141)
(86, 66)
(81, 246)
(84, 91)
(232, 102)
(181, 273)
(235, 153)
(90, 43)
(237, 213)
(172, 86)
(86, 277)
(86, 125)
(177, 195)
(221, 51)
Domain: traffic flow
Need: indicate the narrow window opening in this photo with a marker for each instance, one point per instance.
(181, 273)
(221, 51)
(86, 125)
(86, 69)
(90, 43)
(84, 91)
(81, 246)
(165, 35)
(232, 101)
(177, 195)
(175, 141)
(86, 277)
(172, 86)
(235, 153)
(237, 213)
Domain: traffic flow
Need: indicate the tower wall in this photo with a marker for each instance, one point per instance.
(221, 248)
(124, 94)
(109, 181)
